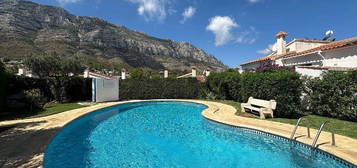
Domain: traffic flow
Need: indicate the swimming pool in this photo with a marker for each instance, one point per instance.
(172, 134)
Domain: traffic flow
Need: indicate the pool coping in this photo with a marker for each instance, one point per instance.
(217, 112)
(345, 151)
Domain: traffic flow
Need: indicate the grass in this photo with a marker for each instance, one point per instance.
(58, 108)
(236, 105)
(49, 109)
(337, 126)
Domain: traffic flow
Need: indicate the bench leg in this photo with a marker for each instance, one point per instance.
(242, 109)
(262, 115)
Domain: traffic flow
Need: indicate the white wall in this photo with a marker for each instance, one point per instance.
(105, 90)
(310, 72)
(346, 57)
(303, 45)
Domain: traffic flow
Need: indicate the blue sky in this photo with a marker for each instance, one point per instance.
(235, 31)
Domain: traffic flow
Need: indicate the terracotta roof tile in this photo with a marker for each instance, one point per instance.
(329, 46)
(266, 58)
(102, 75)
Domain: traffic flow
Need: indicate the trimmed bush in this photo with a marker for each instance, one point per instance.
(76, 89)
(333, 96)
(160, 89)
(35, 99)
(3, 88)
(224, 85)
(283, 86)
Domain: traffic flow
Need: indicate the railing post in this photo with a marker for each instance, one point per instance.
(333, 143)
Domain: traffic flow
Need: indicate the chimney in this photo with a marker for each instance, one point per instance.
(281, 43)
(208, 72)
(166, 73)
(86, 73)
(123, 74)
(21, 71)
(194, 71)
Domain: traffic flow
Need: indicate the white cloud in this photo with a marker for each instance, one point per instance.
(188, 13)
(271, 48)
(152, 10)
(249, 36)
(222, 26)
(254, 1)
(67, 1)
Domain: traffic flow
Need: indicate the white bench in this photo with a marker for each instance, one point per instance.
(263, 107)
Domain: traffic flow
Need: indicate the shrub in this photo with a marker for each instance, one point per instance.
(3, 86)
(76, 89)
(35, 98)
(224, 85)
(333, 96)
(269, 66)
(283, 86)
(160, 89)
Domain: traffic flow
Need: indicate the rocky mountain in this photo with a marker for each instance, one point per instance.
(30, 28)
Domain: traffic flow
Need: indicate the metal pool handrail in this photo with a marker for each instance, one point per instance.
(296, 127)
(318, 135)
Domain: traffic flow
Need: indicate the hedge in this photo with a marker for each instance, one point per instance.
(160, 89)
(283, 86)
(333, 96)
(225, 85)
(3, 88)
(77, 89)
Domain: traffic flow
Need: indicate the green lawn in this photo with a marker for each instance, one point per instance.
(340, 127)
(229, 102)
(49, 109)
(58, 108)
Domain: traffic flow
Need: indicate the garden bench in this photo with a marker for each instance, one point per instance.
(262, 107)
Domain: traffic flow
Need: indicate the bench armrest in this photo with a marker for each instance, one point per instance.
(264, 109)
(244, 104)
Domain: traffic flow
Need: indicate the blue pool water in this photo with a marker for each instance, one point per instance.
(170, 134)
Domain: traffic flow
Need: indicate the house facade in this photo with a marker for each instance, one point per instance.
(311, 57)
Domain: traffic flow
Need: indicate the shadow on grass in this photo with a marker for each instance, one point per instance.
(13, 114)
(19, 144)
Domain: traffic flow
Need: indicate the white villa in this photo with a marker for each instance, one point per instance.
(311, 57)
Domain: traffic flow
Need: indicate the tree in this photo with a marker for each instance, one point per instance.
(56, 69)
(138, 73)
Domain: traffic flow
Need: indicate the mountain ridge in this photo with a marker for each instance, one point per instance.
(27, 27)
